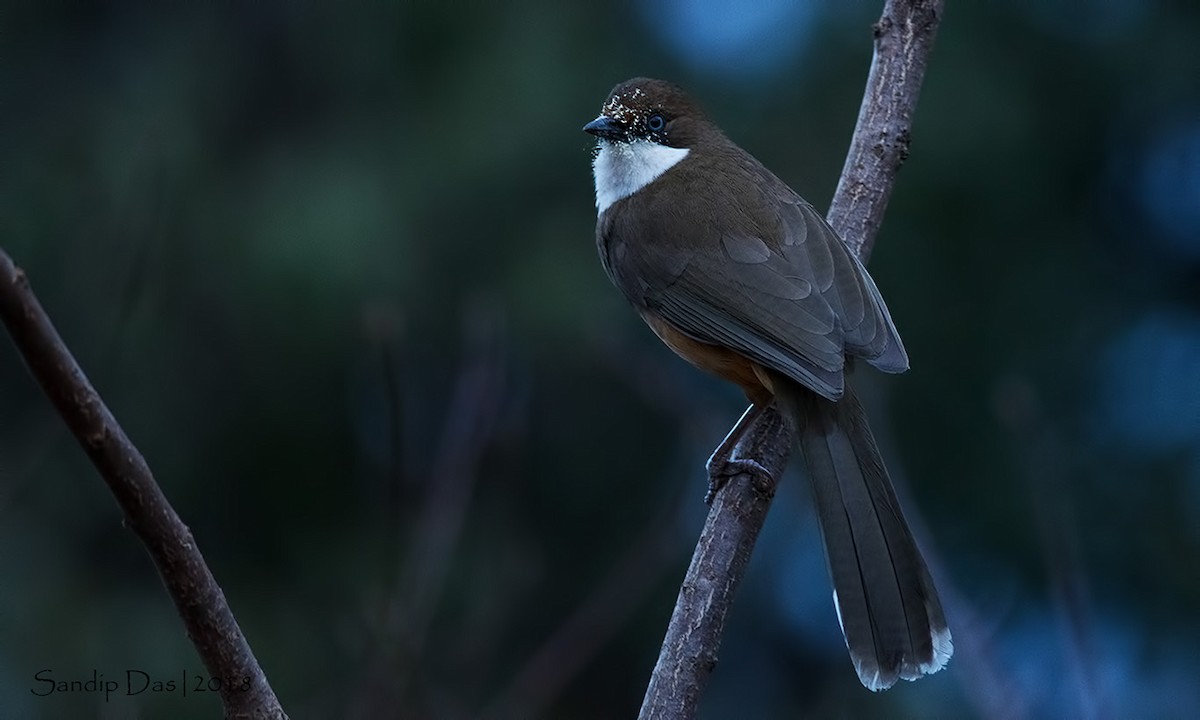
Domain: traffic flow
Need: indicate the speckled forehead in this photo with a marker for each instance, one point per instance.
(626, 106)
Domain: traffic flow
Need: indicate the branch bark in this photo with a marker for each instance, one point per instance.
(904, 38)
(210, 624)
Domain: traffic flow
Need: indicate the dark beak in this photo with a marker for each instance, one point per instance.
(607, 128)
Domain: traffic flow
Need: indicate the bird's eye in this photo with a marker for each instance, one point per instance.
(655, 123)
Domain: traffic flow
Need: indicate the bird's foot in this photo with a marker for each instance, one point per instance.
(720, 470)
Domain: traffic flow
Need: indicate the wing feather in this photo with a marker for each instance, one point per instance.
(777, 284)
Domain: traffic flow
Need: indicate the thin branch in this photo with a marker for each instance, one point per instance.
(472, 420)
(473, 417)
(575, 643)
(903, 39)
(1046, 473)
(210, 624)
(689, 651)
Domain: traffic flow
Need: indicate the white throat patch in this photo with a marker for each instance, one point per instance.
(623, 168)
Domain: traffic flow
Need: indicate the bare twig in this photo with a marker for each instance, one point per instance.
(210, 624)
(689, 652)
(594, 622)
(471, 422)
(1045, 474)
(575, 643)
(903, 39)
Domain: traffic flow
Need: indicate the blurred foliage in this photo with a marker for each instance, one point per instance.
(332, 267)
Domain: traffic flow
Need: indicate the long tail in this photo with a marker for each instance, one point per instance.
(885, 599)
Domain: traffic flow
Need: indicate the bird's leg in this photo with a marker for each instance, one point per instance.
(722, 465)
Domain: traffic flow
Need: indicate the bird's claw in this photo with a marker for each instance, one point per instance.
(719, 472)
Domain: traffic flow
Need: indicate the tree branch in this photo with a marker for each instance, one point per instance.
(210, 624)
(903, 40)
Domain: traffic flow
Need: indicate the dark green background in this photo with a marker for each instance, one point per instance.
(333, 269)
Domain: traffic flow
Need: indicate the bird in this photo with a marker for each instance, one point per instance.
(744, 279)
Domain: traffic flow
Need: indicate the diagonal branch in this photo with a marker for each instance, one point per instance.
(210, 624)
(903, 40)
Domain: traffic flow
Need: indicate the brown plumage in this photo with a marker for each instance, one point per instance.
(741, 277)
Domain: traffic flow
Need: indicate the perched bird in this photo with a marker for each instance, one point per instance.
(742, 278)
